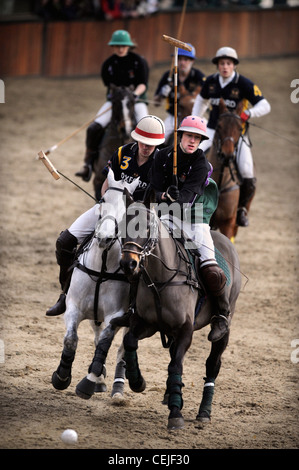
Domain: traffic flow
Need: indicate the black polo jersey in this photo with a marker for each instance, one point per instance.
(124, 165)
(240, 88)
(125, 71)
(195, 78)
(192, 171)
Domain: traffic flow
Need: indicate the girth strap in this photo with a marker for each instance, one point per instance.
(102, 276)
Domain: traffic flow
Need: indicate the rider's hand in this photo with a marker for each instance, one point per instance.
(165, 90)
(245, 115)
(172, 193)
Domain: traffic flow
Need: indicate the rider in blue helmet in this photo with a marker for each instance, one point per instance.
(190, 82)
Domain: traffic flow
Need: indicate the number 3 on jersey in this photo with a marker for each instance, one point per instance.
(125, 163)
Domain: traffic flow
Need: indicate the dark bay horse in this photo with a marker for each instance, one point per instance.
(222, 156)
(167, 297)
(117, 133)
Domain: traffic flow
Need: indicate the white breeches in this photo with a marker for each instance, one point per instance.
(200, 235)
(244, 155)
(169, 126)
(105, 113)
(85, 223)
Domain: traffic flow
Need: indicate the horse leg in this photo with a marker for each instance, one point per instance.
(117, 393)
(213, 365)
(100, 381)
(133, 373)
(86, 387)
(174, 380)
(62, 377)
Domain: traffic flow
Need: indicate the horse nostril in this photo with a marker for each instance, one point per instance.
(133, 265)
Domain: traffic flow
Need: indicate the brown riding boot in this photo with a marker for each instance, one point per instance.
(215, 281)
(247, 191)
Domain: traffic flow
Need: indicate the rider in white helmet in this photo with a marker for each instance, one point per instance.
(193, 171)
(233, 88)
(128, 163)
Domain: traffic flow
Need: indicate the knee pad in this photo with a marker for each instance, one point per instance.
(66, 245)
(214, 279)
(94, 135)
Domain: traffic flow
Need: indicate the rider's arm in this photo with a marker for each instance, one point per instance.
(141, 88)
(200, 106)
(260, 108)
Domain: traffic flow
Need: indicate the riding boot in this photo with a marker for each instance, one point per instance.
(215, 282)
(247, 191)
(94, 137)
(65, 254)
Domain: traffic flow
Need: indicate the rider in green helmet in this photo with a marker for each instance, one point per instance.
(123, 68)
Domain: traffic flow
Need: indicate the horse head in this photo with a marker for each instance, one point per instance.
(229, 130)
(140, 235)
(112, 209)
(123, 100)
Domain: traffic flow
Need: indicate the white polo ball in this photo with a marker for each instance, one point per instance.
(69, 436)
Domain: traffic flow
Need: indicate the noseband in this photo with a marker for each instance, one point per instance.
(150, 243)
(228, 138)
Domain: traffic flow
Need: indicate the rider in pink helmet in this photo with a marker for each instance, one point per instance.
(194, 124)
(193, 171)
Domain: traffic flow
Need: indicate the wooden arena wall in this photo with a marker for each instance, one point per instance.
(78, 48)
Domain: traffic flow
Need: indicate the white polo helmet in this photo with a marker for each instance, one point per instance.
(194, 124)
(226, 53)
(150, 130)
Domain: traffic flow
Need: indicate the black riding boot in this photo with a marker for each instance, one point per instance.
(247, 191)
(215, 281)
(65, 254)
(94, 135)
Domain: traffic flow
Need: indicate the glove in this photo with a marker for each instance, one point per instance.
(245, 115)
(172, 193)
(165, 90)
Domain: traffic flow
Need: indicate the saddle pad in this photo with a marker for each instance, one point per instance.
(223, 265)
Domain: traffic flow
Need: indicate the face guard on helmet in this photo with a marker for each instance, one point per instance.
(226, 53)
(195, 125)
(121, 38)
(150, 130)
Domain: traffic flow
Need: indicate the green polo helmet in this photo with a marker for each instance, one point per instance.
(121, 38)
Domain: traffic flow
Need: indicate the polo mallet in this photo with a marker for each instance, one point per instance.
(54, 147)
(56, 174)
(182, 45)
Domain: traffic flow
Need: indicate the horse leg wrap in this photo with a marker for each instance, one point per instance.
(205, 408)
(119, 378)
(174, 388)
(65, 366)
(96, 367)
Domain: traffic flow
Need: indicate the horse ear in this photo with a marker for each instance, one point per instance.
(222, 106)
(132, 186)
(110, 177)
(149, 197)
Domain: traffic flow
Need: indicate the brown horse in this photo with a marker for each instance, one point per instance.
(222, 156)
(186, 101)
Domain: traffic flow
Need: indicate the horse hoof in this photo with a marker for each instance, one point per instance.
(85, 389)
(118, 399)
(203, 417)
(175, 423)
(59, 383)
(100, 388)
(138, 386)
